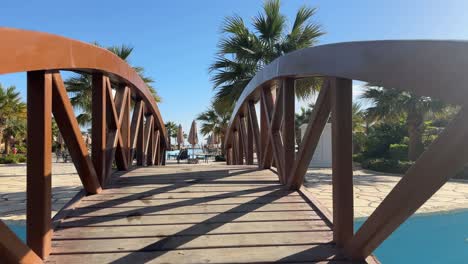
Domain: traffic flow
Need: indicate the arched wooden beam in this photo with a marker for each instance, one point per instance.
(435, 68)
(24, 50)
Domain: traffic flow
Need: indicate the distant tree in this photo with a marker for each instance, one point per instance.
(80, 86)
(215, 121)
(171, 129)
(242, 51)
(392, 105)
(12, 115)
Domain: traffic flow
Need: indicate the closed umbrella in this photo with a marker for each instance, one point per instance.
(180, 136)
(193, 136)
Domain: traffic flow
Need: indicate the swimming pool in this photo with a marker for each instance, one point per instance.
(435, 238)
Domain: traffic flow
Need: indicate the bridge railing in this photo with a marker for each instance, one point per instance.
(126, 122)
(426, 68)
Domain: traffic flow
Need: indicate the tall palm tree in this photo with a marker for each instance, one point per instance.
(12, 111)
(242, 52)
(171, 129)
(79, 86)
(392, 105)
(215, 121)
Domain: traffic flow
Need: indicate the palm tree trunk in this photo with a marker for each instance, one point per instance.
(415, 131)
(7, 145)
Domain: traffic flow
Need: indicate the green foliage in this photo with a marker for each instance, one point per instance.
(215, 121)
(381, 136)
(12, 159)
(79, 86)
(387, 165)
(398, 151)
(242, 51)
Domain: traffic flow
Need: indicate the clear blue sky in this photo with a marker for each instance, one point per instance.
(175, 41)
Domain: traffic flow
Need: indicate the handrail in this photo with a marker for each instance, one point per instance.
(116, 136)
(432, 68)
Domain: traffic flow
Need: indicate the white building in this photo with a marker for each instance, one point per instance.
(323, 153)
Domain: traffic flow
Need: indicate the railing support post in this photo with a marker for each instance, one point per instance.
(39, 158)
(342, 163)
(98, 126)
(288, 128)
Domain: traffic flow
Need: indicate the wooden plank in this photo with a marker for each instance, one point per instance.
(288, 127)
(70, 131)
(98, 125)
(39, 171)
(243, 137)
(194, 242)
(13, 250)
(342, 159)
(266, 254)
(442, 160)
(254, 129)
(317, 121)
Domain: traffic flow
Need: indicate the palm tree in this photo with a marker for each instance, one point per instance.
(80, 85)
(12, 111)
(242, 52)
(215, 121)
(392, 105)
(171, 129)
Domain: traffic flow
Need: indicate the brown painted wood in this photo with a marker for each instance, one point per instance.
(140, 144)
(444, 158)
(266, 108)
(250, 139)
(149, 133)
(342, 159)
(235, 146)
(240, 145)
(288, 127)
(157, 159)
(254, 129)
(317, 122)
(274, 124)
(13, 250)
(135, 128)
(244, 138)
(70, 131)
(98, 125)
(229, 156)
(39, 157)
(123, 128)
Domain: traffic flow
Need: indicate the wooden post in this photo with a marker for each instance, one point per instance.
(98, 126)
(254, 129)
(228, 156)
(140, 148)
(39, 162)
(342, 161)
(288, 127)
(250, 141)
(135, 128)
(266, 151)
(244, 138)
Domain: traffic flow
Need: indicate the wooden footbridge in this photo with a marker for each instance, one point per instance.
(251, 209)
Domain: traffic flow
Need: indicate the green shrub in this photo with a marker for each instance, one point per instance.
(12, 159)
(398, 151)
(387, 165)
(220, 158)
(359, 157)
(380, 138)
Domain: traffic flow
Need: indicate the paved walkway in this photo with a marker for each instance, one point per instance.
(370, 188)
(65, 184)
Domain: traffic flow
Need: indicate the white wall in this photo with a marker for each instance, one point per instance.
(323, 153)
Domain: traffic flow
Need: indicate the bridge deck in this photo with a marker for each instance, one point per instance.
(194, 214)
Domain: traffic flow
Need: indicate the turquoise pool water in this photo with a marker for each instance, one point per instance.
(436, 238)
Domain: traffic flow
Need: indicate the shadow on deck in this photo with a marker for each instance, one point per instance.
(196, 214)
